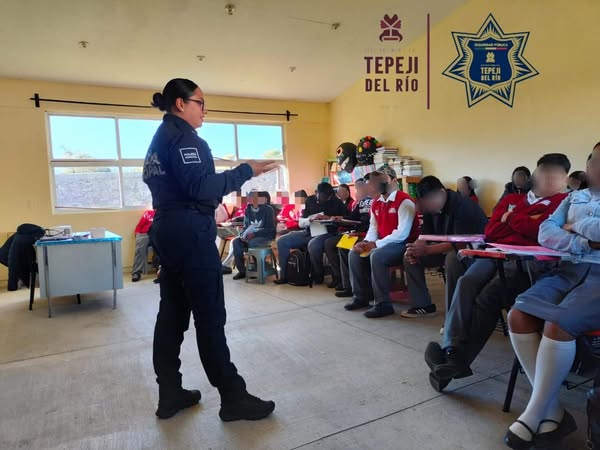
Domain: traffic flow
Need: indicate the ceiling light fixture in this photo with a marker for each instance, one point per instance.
(335, 26)
(83, 44)
(200, 57)
(230, 8)
(292, 68)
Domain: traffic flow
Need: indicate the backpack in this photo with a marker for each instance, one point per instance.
(298, 268)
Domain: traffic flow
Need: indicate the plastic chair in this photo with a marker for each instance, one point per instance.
(261, 264)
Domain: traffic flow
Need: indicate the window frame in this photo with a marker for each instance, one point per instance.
(121, 163)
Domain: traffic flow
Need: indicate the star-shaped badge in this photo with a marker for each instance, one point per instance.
(490, 62)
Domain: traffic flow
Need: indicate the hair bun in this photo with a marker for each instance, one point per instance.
(158, 101)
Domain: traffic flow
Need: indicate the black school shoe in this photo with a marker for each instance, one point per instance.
(169, 405)
(566, 426)
(248, 407)
(378, 311)
(239, 276)
(280, 281)
(354, 304)
(456, 365)
(226, 270)
(434, 356)
(136, 277)
(517, 443)
(344, 294)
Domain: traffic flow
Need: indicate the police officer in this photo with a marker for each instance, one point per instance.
(180, 172)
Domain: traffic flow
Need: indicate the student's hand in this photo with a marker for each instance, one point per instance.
(336, 218)
(418, 248)
(535, 217)
(594, 245)
(568, 227)
(249, 236)
(359, 247)
(410, 257)
(505, 216)
(260, 167)
(323, 217)
(369, 245)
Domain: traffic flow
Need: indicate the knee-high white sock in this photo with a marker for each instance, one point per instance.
(554, 360)
(526, 348)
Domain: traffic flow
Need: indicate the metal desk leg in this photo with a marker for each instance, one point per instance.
(47, 280)
(114, 273)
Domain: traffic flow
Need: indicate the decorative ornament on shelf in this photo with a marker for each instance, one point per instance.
(367, 148)
(346, 156)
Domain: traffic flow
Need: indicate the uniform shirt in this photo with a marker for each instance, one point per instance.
(393, 220)
(581, 209)
(145, 222)
(460, 215)
(180, 171)
(523, 224)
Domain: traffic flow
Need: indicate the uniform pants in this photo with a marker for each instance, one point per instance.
(142, 240)
(191, 282)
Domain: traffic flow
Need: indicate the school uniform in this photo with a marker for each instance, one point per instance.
(260, 222)
(480, 294)
(569, 295)
(393, 222)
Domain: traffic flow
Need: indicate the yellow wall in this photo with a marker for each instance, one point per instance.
(552, 112)
(25, 194)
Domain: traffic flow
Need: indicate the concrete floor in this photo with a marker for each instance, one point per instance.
(84, 379)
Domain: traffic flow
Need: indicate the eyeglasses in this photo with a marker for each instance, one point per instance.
(201, 102)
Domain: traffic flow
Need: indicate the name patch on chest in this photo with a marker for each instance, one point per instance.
(190, 155)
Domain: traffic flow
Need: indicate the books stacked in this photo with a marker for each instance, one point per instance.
(384, 155)
(411, 167)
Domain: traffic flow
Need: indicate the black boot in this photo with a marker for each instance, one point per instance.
(245, 407)
(171, 402)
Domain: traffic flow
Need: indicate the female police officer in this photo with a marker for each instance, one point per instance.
(180, 172)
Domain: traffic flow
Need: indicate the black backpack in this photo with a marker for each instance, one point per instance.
(298, 268)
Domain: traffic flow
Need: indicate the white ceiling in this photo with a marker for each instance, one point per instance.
(144, 43)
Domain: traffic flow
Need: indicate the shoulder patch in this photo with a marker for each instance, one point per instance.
(190, 155)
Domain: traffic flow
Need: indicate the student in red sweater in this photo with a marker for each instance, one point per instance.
(142, 240)
(393, 223)
(480, 295)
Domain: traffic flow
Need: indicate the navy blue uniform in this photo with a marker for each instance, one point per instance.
(180, 172)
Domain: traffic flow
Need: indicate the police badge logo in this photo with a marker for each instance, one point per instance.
(490, 63)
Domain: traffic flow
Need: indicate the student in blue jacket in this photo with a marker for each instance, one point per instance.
(259, 230)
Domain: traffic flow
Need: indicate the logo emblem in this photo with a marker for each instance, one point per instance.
(490, 62)
(391, 28)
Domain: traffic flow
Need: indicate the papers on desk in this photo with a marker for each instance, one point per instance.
(319, 227)
(456, 238)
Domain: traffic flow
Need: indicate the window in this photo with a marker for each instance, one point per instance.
(96, 162)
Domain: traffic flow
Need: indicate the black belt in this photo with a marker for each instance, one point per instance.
(178, 206)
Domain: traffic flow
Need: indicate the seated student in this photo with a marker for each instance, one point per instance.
(480, 294)
(577, 181)
(259, 229)
(142, 240)
(322, 206)
(343, 193)
(444, 212)
(520, 182)
(465, 187)
(290, 214)
(393, 223)
(561, 306)
(338, 259)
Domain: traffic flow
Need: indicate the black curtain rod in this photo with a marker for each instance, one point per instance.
(37, 99)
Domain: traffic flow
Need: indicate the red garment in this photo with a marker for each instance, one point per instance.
(289, 216)
(474, 198)
(523, 224)
(386, 214)
(145, 222)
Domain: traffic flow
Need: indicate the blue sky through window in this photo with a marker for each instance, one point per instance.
(83, 137)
